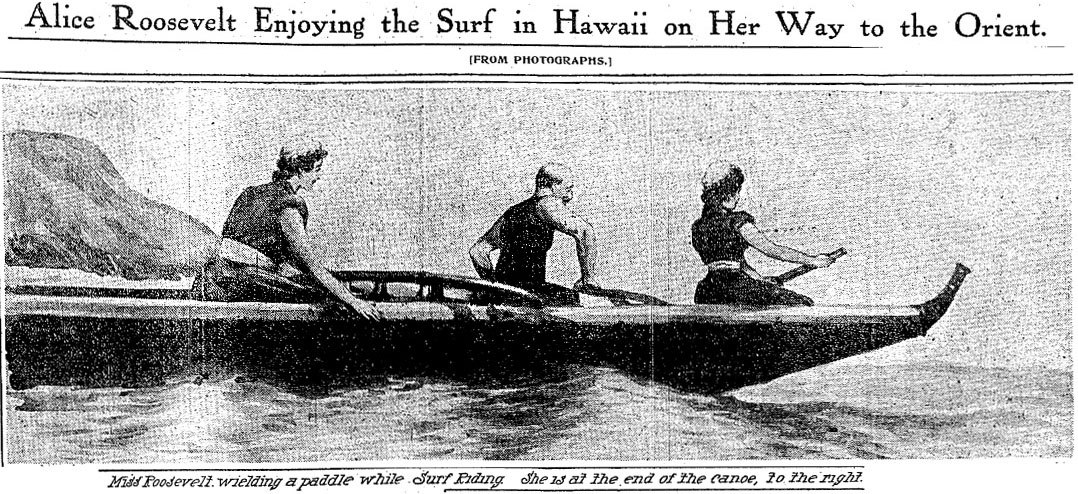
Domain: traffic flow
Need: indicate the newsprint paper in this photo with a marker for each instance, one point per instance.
(586, 247)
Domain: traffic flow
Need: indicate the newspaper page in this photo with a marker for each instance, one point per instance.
(590, 247)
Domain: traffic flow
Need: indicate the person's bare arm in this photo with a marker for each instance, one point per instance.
(559, 217)
(296, 235)
(480, 251)
(758, 240)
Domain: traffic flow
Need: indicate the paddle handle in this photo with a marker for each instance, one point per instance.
(800, 270)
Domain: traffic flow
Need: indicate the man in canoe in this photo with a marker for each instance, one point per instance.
(721, 236)
(265, 254)
(525, 232)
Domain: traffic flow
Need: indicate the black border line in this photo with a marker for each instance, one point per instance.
(3, 380)
(485, 467)
(672, 489)
(567, 82)
(418, 44)
(558, 75)
(461, 45)
(3, 370)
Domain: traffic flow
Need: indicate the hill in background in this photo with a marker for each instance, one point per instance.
(66, 206)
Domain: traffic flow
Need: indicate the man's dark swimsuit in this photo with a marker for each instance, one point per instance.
(255, 221)
(716, 237)
(526, 239)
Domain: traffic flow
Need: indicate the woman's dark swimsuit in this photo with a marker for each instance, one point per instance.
(254, 221)
(716, 237)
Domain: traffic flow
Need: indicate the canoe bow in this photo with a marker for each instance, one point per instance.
(932, 310)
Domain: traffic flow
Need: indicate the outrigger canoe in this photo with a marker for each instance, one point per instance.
(427, 316)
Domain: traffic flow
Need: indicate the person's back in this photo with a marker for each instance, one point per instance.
(526, 239)
(253, 219)
(716, 238)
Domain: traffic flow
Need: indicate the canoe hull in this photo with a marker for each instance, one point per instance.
(56, 339)
(91, 351)
(688, 354)
(699, 357)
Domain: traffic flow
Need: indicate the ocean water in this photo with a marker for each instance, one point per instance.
(843, 410)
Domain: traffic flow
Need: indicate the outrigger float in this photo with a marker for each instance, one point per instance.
(712, 347)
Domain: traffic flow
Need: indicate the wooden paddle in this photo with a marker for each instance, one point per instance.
(621, 297)
(800, 270)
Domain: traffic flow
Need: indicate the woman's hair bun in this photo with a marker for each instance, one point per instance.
(721, 181)
(298, 158)
(295, 161)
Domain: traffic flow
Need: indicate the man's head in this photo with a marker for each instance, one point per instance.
(557, 178)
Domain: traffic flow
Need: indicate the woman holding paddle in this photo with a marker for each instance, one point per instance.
(721, 236)
(265, 254)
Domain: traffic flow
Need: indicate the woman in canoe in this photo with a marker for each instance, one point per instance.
(721, 236)
(265, 254)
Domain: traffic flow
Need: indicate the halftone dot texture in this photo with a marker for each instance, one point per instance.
(908, 181)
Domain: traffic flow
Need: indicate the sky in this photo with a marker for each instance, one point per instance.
(909, 181)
